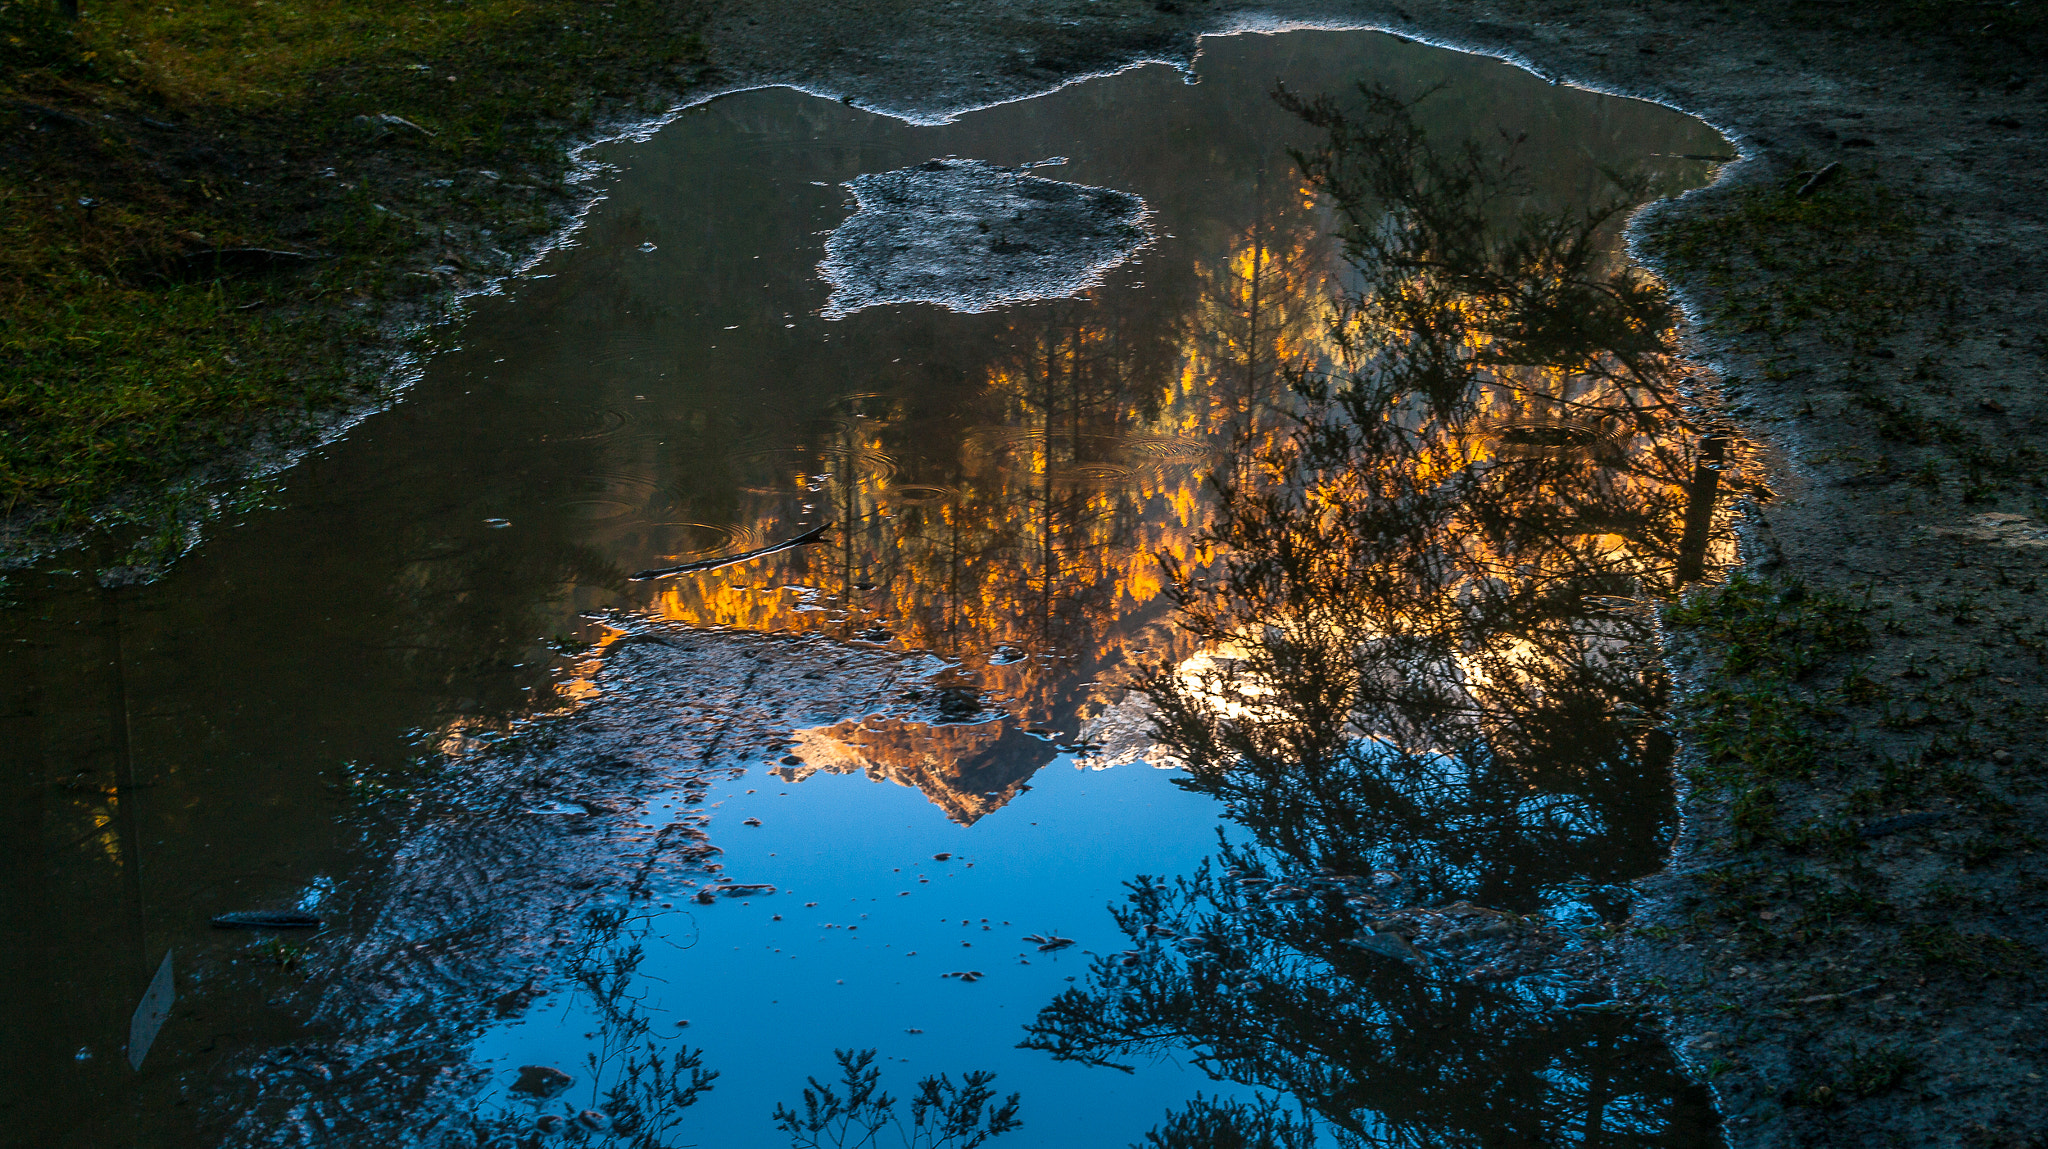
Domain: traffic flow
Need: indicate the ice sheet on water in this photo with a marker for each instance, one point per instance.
(971, 236)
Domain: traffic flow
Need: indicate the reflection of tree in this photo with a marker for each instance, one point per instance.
(1431, 575)
(1262, 306)
(1424, 622)
(1027, 516)
(1266, 992)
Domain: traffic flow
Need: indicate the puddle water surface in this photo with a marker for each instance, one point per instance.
(861, 793)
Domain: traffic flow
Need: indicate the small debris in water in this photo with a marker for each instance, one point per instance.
(497, 524)
(646, 247)
(542, 1081)
(808, 537)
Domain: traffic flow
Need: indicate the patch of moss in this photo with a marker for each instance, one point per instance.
(144, 136)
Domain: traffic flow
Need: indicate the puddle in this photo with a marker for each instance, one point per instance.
(541, 805)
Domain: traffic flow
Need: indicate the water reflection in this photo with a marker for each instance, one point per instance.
(1431, 703)
(308, 703)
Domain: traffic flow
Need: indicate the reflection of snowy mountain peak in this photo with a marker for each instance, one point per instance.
(971, 236)
(966, 770)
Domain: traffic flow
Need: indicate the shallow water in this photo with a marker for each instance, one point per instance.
(333, 703)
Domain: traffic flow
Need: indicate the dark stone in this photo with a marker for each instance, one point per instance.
(542, 1081)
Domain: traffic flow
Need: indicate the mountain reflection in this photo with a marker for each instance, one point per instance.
(1022, 529)
(1428, 699)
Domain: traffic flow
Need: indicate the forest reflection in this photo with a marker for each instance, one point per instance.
(1023, 529)
(1426, 696)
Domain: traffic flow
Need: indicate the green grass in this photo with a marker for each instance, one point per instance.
(1760, 719)
(1980, 955)
(1749, 724)
(149, 132)
(1837, 261)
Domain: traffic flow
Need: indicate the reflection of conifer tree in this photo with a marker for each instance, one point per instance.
(1261, 304)
(1425, 671)
(1427, 560)
(1268, 993)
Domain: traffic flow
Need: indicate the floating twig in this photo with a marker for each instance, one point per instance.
(712, 564)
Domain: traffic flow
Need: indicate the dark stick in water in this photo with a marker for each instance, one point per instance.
(808, 537)
(267, 920)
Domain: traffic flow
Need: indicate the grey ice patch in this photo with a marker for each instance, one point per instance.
(972, 237)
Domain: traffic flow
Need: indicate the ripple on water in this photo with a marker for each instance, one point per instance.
(696, 540)
(1004, 435)
(1165, 448)
(1094, 474)
(866, 462)
(615, 494)
(921, 494)
(585, 425)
